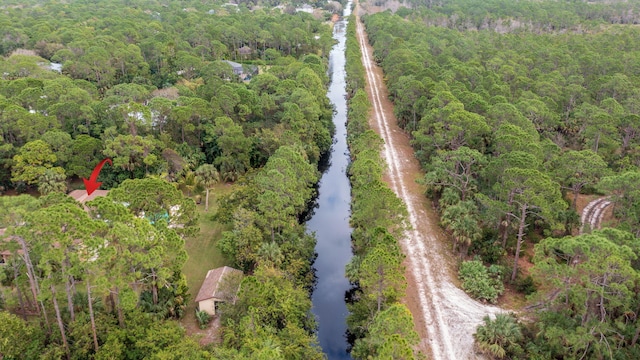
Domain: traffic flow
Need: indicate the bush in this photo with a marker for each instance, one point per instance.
(488, 247)
(481, 282)
(203, 318)
(526, 285)
(500, 338)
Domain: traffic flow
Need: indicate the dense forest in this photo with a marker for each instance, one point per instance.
(517, 111)
(148, 84)
(520, 112)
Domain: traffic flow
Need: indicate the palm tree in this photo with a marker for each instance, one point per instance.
(208, 175)
(498, 338)
(461, 221)
(270, 252)
(189, 183)
(52, 181)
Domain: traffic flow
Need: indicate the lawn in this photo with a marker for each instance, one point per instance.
(203, 253)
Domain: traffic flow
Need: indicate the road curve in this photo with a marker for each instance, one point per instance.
(593, 213)
(445, 316)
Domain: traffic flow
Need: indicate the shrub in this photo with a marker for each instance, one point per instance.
(526, 285)
(203, 318)
(488, 247)
(499, 338)
(481, 282)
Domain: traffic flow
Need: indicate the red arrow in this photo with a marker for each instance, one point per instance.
(92, 184)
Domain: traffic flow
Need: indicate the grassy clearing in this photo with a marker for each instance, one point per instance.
(203, 253)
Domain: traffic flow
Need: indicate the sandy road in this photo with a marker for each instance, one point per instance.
(593, 213)
(445, 316)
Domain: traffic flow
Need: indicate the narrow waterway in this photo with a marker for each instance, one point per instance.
(330, 219)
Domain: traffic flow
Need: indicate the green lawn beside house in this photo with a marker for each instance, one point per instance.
(203, 252)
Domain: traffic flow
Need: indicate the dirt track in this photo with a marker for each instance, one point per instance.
(445, 317)
(593, 213)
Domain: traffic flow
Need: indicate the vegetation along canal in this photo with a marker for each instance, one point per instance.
(330, 220)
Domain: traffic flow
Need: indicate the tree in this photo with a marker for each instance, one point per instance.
(32, 161)
(86, 152)
(271, 308)
(462, 221)
(590, 284)
(65, 225)
(130, 152)
(625, 192)
(499, 337)
(381, 275)
(13, 214)
(591, 267)
(529, 192)
(457, 169)
(448, 126)
(577, 169)
(208, 176)
(270, 253)
(52, 181)
(235, 148)
(390, 334)
(20, 340)
(190, 183)
(285, 185)
(137, 118)
(60, 143)
(244, 240)
(156, 199)
(409, 100)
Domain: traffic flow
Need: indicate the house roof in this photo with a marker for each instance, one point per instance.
(245, 50)
(233, 64)
(81, 195)
(211, 285)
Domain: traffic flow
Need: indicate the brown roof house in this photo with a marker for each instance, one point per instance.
(82, 197)
(220, 285)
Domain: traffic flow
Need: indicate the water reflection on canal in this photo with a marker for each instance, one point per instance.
(330, 220)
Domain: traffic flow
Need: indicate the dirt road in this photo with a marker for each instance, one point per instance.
(445, 316)
(593, 213)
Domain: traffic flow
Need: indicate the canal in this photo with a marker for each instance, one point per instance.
(330, 220)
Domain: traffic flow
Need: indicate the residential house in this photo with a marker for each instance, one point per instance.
(81, 196)
(215, 288)
(245, 72)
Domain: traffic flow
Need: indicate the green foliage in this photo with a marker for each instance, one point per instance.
(481, 282)
(19, 339)
(51, 181)
(499, 338)
(625, 195)
(32, 162)
(381, 326)
(526, 285)
(117, 97)
(148, 338)
(270, 310)
(589, 283)
(156, 199)
(203, 319)
(391, 335)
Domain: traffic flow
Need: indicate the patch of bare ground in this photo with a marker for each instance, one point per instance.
(206, 336)
(445, 316)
